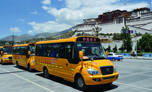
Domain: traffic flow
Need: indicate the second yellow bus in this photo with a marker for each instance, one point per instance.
(23, 55)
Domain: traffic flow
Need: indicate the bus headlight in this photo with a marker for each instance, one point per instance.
(92, 71)
(33, 61)
(5, 58)
(115, 69)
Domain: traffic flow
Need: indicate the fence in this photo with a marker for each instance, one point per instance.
(139, 55)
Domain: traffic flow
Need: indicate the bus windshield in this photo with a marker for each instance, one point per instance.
(32, 49)
(7, 51)
(91, 50)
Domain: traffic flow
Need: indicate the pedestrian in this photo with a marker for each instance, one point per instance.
(135, 53)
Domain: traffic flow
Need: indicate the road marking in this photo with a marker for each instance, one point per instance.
(29, 81)
(134, 86)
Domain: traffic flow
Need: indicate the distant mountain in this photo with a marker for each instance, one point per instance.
(45, 34)
(23, 37)
(64, 31)
(27, 36)
(8, 38)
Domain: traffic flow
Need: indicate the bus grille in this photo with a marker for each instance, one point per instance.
(107, 70)
(10, 57)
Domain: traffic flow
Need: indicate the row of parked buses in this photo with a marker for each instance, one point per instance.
(79, 59)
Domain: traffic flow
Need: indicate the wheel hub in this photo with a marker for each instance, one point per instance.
(80, 82)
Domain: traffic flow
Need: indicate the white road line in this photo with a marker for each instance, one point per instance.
(133, 86)
(29, 81)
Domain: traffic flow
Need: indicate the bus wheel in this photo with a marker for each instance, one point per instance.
(45, 72)
(80, 83)
(17, 65)
(29, 68)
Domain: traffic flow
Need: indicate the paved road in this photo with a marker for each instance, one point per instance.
(135, 75)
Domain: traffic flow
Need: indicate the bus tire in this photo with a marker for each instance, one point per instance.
(29, 68)
(79, 82)
(46, 73)
(17, 65)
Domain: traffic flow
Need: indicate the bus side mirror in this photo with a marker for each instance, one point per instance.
(1, 52)
(81, 57)
(81, 54)
(106, 53)
(29, 53)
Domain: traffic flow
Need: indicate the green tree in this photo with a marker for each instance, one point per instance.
(123, 35)
(115, 48)
(108, 49)
(145, 43)
(122, 48)
(127, 39)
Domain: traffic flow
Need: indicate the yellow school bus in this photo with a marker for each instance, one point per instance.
(6, 54)
(79, 59)
(23, 55)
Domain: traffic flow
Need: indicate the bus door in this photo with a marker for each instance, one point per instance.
(24, 56)
(29, 58)
(57, 61)
(71, 61)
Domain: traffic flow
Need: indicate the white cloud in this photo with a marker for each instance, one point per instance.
(46, 2)
(34, 12)
(15, 29)
(30, 32)
(77, 10)
(21, 19)
(45, 7)
(49, 26)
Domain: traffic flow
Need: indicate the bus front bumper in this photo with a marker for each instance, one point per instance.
(100, 79)
(7, 60)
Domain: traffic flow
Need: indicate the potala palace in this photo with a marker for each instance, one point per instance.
(112, 22)
(139, 19)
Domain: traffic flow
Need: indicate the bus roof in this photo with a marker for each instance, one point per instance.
(28, 44)
(19, 45)
(72, 39)
(5, 46)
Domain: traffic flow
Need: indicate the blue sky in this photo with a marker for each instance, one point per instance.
(36, 16)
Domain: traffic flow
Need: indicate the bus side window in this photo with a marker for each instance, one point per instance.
(70, 53)
(55, 50)
(39, 50)
(48, 50)
(18, 51)
(43, 50)
(61, 51)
